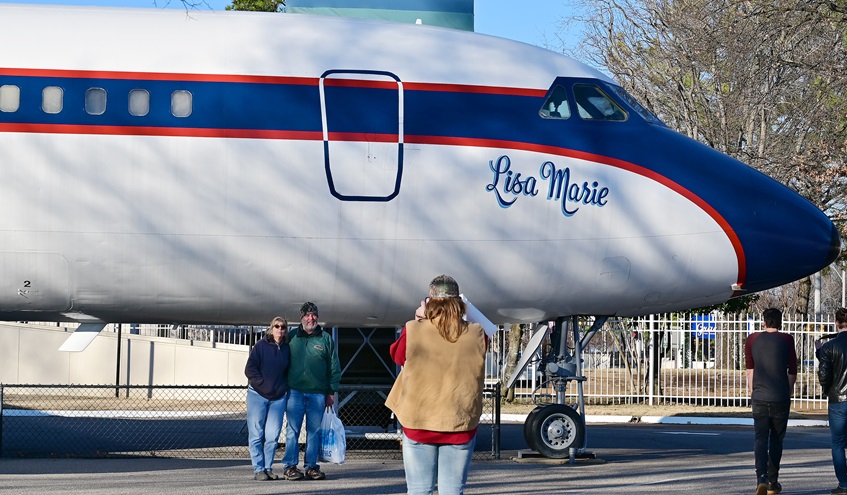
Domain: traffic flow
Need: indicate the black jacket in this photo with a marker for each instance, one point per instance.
(267, 368)
(832, 368)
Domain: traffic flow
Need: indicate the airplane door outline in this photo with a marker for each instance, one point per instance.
(361, 146)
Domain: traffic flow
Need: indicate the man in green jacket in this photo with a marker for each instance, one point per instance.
(313, 378)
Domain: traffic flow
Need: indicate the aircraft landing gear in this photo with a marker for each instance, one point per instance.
(553, 430)
(557, 431)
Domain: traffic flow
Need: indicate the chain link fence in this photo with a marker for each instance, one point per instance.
(186, 421)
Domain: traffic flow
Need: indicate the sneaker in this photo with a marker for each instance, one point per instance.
(762, 486)
(774, 487)
(261, 476)
(291, 473)
(274, 476)
(315, 473)
(839, 491)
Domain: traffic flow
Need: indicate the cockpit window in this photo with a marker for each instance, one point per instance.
(556, 104)
(632, 102)
(593, 104)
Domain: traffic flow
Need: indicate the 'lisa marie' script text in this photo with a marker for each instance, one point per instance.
(508, 186)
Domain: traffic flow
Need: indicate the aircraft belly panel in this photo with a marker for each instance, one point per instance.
(34, 281)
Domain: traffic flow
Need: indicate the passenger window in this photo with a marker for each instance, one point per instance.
(556, 104)
(52, 99)
(593, 104)
(181, 103)
(10, 98)
(95, 101)
(139, 102)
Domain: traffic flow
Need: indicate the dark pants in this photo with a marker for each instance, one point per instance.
(770, 420)
(838, 432)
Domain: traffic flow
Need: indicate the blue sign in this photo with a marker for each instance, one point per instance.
(703, 326)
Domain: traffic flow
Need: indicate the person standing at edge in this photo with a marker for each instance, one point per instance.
(832, 373)
(313, 380)
(437, 397)
(267, 393)
(771, 361)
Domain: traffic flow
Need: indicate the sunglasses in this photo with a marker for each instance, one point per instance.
(280, 326)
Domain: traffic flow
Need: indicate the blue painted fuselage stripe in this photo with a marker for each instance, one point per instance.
(216, 105)
(290, 107)
(357, 110)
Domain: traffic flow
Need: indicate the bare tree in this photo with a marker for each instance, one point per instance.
(763, 81)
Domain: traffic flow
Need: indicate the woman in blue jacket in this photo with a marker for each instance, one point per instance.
(267, 394)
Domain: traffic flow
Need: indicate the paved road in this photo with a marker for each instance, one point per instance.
(632, 459)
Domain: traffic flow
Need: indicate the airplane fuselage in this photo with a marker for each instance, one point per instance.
(159, 166)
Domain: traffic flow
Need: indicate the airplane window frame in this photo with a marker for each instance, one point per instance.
(94, 104)
(10, 98)
(635, 105)
(136, 106)
(583, 100)
(52, 100)
(182, 109)
(556, 92)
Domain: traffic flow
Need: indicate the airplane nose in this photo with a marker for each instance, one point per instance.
(794, 240)
(778, 235)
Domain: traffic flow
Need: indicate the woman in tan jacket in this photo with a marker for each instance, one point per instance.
(437, 397)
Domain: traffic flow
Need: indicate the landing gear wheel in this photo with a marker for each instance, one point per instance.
(554, 429)
(529, 425)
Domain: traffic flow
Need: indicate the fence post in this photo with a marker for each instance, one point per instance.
(650, 358)
(1, 420)
(496, 426)
(118, 365)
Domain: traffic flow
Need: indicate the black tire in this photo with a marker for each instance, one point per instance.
(528, 427)
(555, 429)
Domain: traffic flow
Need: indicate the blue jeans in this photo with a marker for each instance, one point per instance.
(837, 412)
(425, 463)
(312, 406)
(264, 422)
(770, 420)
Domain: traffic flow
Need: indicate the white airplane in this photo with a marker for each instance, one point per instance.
(223, 167)
(162, 166)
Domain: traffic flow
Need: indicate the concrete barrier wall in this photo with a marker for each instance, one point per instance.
(29, 355)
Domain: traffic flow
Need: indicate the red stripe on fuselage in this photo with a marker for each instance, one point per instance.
(158, 76)
(289, 80)
(437, 87)
(164, 131)
(461, 88)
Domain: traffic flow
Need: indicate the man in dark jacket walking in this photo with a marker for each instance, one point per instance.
(771, 372)
(832, 373)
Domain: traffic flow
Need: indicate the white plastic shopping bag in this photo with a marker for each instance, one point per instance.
(333, 439)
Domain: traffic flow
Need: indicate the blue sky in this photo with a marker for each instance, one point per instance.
(528, 21)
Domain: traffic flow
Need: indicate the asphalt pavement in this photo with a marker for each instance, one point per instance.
(637, 458)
